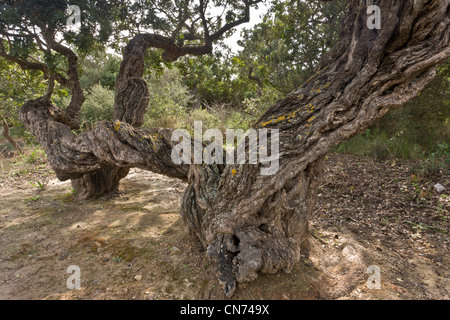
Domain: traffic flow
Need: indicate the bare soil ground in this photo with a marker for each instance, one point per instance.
(135, 246)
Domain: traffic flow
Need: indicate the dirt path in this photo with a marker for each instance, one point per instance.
(135, 246)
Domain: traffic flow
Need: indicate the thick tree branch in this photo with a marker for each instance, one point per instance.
(108, 144)
(77, 99)
(131, 97)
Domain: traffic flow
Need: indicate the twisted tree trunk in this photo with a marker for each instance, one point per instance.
(253, 223)
(130, 105)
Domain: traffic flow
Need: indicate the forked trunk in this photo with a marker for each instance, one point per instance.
(250, 222)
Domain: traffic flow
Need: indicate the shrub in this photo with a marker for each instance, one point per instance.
(377, 144)
(169, 99)
(99, 105)
(437, 161)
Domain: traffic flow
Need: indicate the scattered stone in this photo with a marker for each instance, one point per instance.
(138, 277)
(439, 188)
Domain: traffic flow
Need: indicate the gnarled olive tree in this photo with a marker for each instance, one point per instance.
(252, 223)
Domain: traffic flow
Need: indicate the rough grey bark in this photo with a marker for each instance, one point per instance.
(249, 222)
(368, 73)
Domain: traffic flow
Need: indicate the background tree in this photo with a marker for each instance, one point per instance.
(249, 222)
(212, 78)
(285, 47)
(99, 68)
